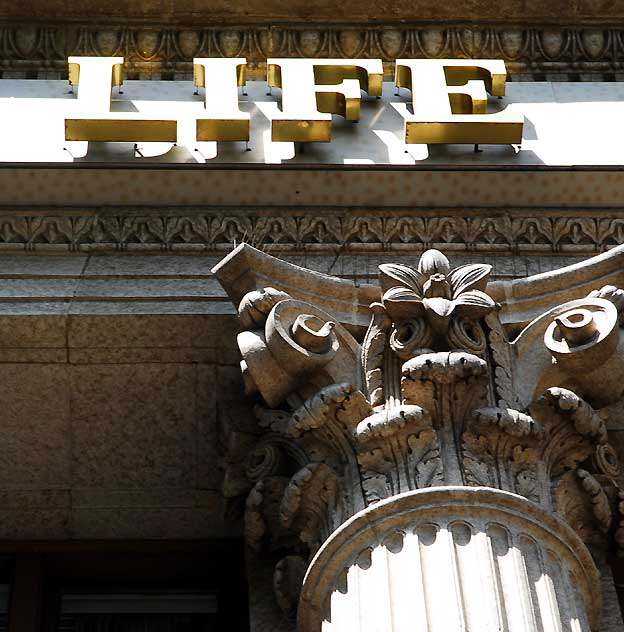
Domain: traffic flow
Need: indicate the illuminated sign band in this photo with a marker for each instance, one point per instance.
(449, 100)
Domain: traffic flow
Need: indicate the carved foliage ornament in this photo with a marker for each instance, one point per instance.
(293, 231)
(430, 396)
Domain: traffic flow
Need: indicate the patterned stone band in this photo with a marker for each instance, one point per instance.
(573, 232)
(569, 51)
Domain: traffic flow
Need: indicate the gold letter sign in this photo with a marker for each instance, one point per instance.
(221, 77)
(450, 102)
(314, 89)
(95, 121)
(449, 97)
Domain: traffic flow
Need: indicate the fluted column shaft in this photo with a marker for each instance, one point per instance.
(451, 559)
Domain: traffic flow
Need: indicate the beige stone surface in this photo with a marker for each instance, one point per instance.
(522, 299)
(35, 513)
(45, 331)
(146, 331)
(233, 409)
(110, 422)
(35, 426)
(141, 355)
(153, 513)
(159, 38)
(144, 403)
(209, 450)
(146, 415)
(160, 522)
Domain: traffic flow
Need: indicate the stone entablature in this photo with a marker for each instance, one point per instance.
(434, 395)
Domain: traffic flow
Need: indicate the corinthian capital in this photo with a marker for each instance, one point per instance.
(356, 426)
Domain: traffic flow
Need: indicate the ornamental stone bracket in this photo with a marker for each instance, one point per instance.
(429, 472)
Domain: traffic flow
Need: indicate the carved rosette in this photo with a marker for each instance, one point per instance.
(431, 402)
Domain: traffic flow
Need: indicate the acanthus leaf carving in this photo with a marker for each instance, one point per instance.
(425, 453)
(499, 450)
(373, 349)
(398, 451)
(262, 514)
(613, 294)
(312, 504)
(315, 413)
(274, 420)
(599, 500)
(503, 363)
(583, 502)
(376, 475)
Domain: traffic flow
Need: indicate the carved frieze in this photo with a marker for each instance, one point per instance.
(168, 50)
(214, 230)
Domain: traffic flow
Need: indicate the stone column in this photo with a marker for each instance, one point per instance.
(449, 559)
(429, 474)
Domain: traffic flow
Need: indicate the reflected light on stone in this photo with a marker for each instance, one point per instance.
(398, 152)
(76, 148)
(205, 150)
(576, 133)
(381, 109)
(149, 150)
(19, 117)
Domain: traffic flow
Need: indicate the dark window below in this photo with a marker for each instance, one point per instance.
(138, 611)
(165, 586)
(135, 623)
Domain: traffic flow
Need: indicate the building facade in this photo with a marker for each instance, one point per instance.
(367, 384)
